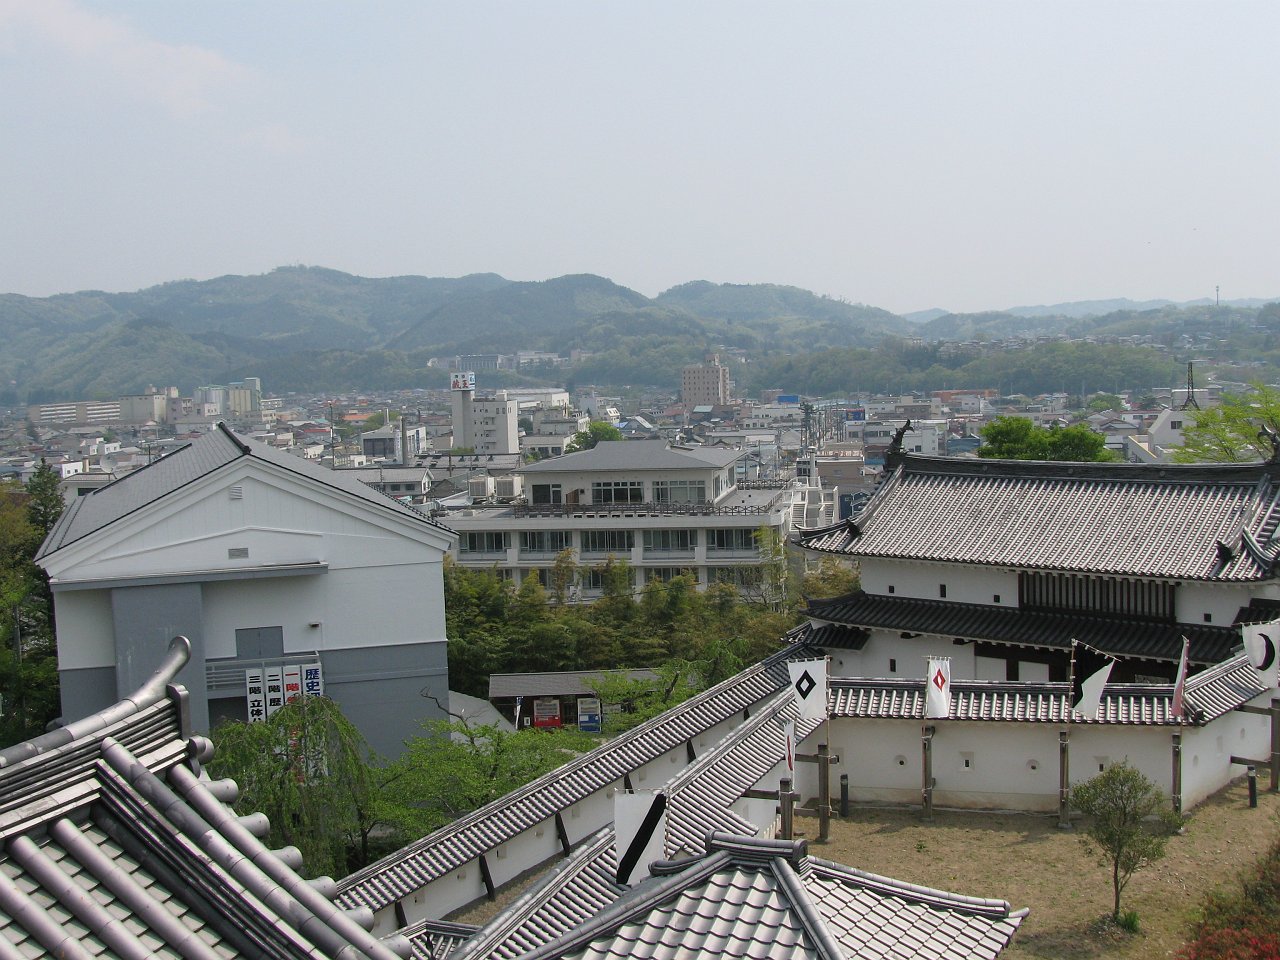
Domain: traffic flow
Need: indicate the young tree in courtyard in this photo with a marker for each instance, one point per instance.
(1130, 822)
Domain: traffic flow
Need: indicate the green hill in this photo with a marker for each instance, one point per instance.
(517, 315)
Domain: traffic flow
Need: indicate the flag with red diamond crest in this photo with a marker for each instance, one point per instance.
(937, 698)
(809, 684)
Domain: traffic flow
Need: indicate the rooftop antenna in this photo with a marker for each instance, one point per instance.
(1190, 400)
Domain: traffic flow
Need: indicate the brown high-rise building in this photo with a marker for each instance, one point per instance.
(705, 383)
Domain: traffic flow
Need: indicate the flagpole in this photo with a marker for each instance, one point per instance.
(1064, 749)
(1071, 682)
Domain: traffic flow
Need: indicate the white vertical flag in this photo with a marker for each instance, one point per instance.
(1260, 645)
(1090, 701)
(1178, 708)
(937, 699)
(789, 737)
(639, 833)
(809, 683)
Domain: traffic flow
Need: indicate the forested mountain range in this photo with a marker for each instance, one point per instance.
(320, 330)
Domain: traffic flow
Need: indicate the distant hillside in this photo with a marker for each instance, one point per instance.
(516, 315)
(310, 328)
(990, 325)
(126, 356)
(1097, 308)
(783, 316)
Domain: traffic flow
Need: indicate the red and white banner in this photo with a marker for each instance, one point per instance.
(937, 686)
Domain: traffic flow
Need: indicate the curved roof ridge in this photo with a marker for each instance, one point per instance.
(1102, 470)
(152, 691)
(913, 891)
(605, 753)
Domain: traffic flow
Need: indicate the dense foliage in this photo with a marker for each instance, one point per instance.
(1017, 438)
(28, 656)
(1235, 430)
(588, 438)
(311, 772)
(495, 629)
(1241, 922)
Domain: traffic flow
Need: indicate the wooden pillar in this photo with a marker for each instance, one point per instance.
(1064, 779)
(1275, 745)
(787, 804)
(926, 769)
(1176, 796)
(824, 793)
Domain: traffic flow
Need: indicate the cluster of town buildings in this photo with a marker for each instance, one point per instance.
(291, 567)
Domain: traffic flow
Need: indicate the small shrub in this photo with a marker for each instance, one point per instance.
(1128, 921)
(1233, 944)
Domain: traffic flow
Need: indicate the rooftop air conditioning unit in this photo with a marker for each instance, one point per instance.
(480, 487)
(509, 487)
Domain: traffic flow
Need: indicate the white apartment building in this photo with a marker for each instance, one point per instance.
(664, 509)
(485, 424)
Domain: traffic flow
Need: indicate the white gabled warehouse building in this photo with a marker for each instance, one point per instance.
(262, 560)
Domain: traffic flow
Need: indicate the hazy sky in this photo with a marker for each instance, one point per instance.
(908, 155)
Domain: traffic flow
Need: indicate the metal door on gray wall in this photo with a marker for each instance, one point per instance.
(260, 643)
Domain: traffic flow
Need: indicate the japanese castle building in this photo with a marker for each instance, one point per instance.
(999, 564)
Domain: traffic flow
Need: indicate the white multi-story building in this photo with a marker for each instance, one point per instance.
(664, 509)
(484, 424)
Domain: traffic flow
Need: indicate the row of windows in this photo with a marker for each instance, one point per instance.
(607, 541)
(545, 541)
(681, 491)
(482, 542)
(670, 540)
(632, 491)
(733, 540)
(1058, 591)
(617, 491)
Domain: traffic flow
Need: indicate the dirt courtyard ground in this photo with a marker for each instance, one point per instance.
(1030, 862)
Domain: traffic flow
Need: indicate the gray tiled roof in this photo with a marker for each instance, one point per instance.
(114, 846)
(1209, 694)
(753, 898)
(465, 839)
(1120, 637)
(637, 455)
(202, 456)
(876, 918)
(698, 802)
(699, 797)
(574, 892)
(1203, 522)
(437, 939)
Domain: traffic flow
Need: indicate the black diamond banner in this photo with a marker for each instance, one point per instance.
(805, 685)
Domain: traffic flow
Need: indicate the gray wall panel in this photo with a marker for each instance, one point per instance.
(86, 691)
(145, 620)
(382, 690)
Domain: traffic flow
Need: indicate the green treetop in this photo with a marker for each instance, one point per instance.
(1017, 438)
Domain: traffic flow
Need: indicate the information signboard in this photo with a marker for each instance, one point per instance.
(589, 714)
